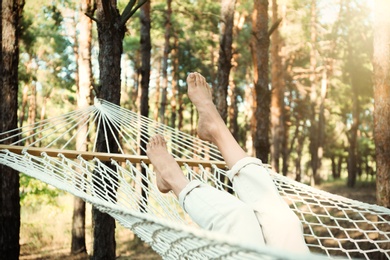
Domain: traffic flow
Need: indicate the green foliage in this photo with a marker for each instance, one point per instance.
(46, 50)
(34, 192)
(343, 45)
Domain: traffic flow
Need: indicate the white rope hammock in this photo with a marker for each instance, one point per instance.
(113, 182)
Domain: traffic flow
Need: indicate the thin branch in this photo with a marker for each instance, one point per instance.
(129, 11)
(91, 17)
(274, 27)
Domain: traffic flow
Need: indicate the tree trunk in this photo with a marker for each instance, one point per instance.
(167, 49)
(146, 46)
(225, 56)
(249, 117)
(277, 99)
(84, 84)
(381, 61)
(158, 90)
(314, 127)
(259, 49)
(24, 105)
(175, 90)
(111, 28)
(32, 112)
(9, 178)
(353, 132)
(298, 160)
(110, 36)
(233, 110)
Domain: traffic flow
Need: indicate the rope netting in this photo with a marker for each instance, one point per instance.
(124, 187)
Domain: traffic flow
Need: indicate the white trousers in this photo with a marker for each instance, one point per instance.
(258, 216)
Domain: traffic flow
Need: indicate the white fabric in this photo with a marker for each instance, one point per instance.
(259, 216)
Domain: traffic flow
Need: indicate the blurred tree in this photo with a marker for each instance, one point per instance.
(225, 56)
(277, 98)
(11, 11)
(317, 98)
(259, 48)
(84, 83)
(381, 64)
(167, 50)
(145, 44)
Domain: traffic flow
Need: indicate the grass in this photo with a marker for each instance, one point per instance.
(45, 233)
(363, 191)
(46, 228)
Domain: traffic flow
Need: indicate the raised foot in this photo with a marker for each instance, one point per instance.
(168, 173)
(199, 92)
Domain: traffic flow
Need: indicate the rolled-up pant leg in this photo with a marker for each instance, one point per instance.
(255, 187)
(217, 210)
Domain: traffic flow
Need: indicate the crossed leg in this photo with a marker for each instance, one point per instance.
(259, 215)
(210, 208)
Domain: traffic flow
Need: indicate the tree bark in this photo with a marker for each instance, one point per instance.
(225, 56)
(9, 179)
(157, 91)
(259, 49)
(146, 46)
(111, 30)
(110, 36)
(277, 99)
(353, 132)
(352, 149)
(314, 125)
(167, 49)
(175, 87)
(381, 62)
(84, 71)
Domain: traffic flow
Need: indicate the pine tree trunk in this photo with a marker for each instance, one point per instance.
(110, 36)
(167, 49)
(314, 142)
(175, 90)
(158, 90)
(233, 110)
(259, 49)
(146, 45)
(32, 112)
(382, 101)
(24, 105)
(225, 56)
(277, 99)
(84, 83)
(353, 132)
(9, 178)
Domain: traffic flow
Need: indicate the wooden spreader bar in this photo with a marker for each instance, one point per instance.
(71, 154)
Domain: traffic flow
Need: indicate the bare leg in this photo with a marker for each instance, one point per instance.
(210, 208)
(168, 173)
(254, 186)
(211, 127)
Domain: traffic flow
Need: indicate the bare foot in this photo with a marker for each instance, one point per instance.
(169, 175)
(200, 95)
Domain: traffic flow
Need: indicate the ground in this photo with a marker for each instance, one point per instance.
(40, 239)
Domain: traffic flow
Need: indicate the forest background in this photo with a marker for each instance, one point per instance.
(318, 83)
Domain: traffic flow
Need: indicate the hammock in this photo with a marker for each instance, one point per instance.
(122, 184)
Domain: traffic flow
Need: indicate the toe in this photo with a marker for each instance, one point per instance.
(191, 78)
(152, 142)
(160, 140)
